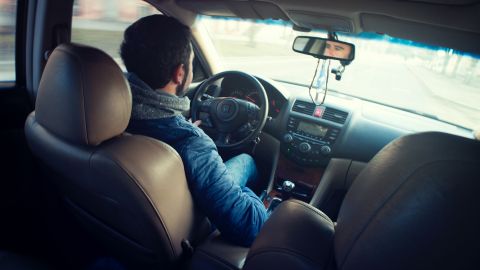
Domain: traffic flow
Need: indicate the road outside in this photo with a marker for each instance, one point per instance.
(400, 84)
(96, 23)
(7, 40)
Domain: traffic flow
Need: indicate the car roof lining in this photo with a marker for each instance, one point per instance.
(450, 23)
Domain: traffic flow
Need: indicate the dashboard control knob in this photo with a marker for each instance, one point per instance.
(287, 138)
(304, 147)
(325, 150)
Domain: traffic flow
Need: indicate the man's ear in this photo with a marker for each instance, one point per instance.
(178, 74)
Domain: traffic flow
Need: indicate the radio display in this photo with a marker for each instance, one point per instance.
(312, 129)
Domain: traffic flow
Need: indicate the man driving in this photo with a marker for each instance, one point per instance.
(158, 55)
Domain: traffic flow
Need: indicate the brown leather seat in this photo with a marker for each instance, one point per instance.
(414, 206)
(130, 190)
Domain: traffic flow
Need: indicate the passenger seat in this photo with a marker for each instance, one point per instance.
(414, 206)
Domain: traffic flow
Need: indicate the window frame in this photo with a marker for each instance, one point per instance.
(20, 44)
(200, 61)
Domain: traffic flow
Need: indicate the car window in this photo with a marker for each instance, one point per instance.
(101, 24)
(433, 81)
(8, 9)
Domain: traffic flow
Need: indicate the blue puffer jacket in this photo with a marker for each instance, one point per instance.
(237, 212)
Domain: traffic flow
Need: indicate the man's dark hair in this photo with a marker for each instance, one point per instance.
(154, 46)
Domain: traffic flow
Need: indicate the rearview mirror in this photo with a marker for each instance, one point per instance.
(324, 48)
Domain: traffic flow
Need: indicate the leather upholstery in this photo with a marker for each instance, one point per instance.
(83, 96)
(129, 190)
(217, 253)
(414, 206)
(336, 180)
(296, 236)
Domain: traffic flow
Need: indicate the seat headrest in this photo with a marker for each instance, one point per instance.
(414, 206)
(83, 96)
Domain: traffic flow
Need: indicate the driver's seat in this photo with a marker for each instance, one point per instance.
(130, 190)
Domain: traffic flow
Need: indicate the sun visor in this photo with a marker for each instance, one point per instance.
(210, 8)
(242, 9)
(314, 20)
(437, 35)
(268, 10)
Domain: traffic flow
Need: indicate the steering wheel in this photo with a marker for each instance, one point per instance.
(228, 117)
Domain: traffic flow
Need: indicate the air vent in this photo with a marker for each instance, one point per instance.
(303, 107)
(335, 115)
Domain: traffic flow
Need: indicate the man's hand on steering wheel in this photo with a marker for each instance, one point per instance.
(229, 117)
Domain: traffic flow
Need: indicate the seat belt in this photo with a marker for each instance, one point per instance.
(61, 34)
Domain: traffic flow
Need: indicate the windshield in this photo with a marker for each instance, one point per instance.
(433, 81)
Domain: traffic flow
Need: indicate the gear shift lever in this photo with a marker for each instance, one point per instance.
(287, 187)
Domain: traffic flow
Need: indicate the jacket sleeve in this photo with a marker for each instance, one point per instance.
(237, 212)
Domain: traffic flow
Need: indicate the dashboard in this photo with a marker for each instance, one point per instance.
(342, 127)
(237, 87)
(275, 102)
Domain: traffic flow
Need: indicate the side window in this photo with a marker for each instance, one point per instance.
(8, 9)
(101, 23)
(199, 73)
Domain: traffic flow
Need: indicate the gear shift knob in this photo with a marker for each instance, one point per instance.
(288, 186)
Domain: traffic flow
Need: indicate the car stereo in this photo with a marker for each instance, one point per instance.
(309, 143)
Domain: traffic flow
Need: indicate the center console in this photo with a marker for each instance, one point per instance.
(307, 146)
(323, 188)
(292, 180)
(308, 143)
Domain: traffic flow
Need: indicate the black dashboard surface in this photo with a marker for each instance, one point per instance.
(367, 128)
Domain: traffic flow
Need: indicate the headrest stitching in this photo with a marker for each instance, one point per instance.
(77, 59)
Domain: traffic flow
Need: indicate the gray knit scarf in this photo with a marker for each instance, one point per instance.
(154, 104)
